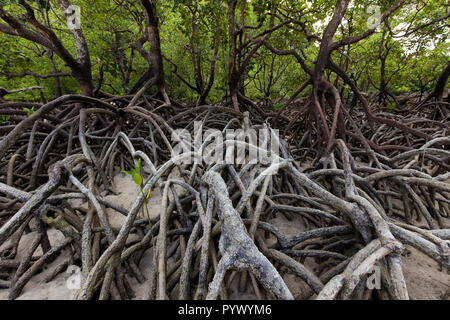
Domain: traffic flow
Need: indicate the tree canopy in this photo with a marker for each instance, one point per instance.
(405, 54)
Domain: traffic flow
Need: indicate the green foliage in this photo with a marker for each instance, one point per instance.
(4, 118)
(135, 173)
(29, 111)
(277, 106)
(413, 62)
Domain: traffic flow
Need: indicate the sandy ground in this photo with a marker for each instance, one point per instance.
(36, 288)
(424, 278)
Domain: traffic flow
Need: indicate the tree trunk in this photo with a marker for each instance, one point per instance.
(44, 36)
(155, 74)
(50, 55)
(82, 69)
(233, 77)
(440, 85)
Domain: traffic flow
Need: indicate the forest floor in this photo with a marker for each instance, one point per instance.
(425, 279)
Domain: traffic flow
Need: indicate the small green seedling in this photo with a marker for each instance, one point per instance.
(135, 173)
(29, 111)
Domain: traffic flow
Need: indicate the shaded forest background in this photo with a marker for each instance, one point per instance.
(406, 54)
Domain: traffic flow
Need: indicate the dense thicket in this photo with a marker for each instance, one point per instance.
(406, 54)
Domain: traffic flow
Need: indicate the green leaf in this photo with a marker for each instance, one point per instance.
(137, 179)
(127, 172)
(29, 111)
(138, 165)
